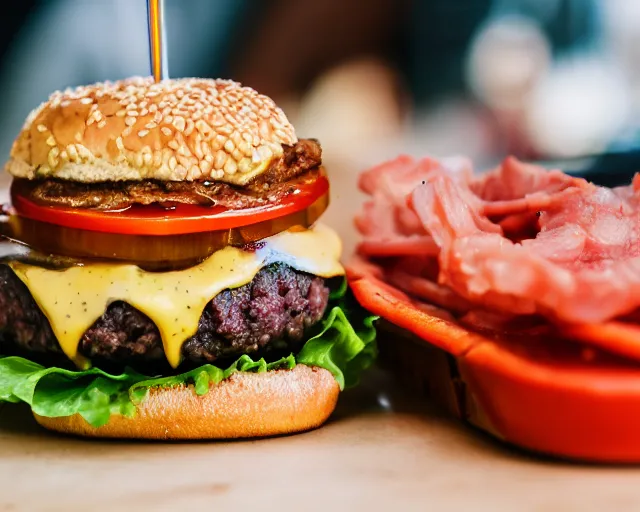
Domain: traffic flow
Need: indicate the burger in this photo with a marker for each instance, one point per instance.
(163, 273)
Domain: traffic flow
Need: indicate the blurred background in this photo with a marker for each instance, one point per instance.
(550, 80)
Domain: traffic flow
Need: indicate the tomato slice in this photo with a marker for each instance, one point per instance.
(150, 252)
(158, 221)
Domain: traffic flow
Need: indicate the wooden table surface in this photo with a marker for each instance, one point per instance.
(382, 450)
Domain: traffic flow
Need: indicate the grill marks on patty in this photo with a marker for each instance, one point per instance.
(271, 314)
(295, 166)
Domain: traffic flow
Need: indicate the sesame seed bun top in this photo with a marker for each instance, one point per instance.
(135, 129)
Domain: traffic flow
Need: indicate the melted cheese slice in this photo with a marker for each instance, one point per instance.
(74, 298)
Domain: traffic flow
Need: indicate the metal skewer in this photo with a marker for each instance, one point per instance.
(157, 46)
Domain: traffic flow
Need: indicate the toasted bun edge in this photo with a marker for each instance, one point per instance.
(244, 405)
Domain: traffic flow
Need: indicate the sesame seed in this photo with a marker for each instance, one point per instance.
(199, 151)
(150, 126)
(265, 153)
(205, 166)
(41, 128)
(120, 144)
(228, 146)
(130, 121)
(86, 101)
(102, 123)
(218, 120)
(181, 171)
(73, 152)
(264, 129)
(193, 173)
(190, 126)
(143, 133)
(203, 127)
(51, 141)
(184, 161)
(121, 113)
(245, 165)
(237, 155)
(220, 159)
(226, 129)
(52, 157)
(173, 144)
(179, 124)
(166, 131)
(84, 153)
(280, 135)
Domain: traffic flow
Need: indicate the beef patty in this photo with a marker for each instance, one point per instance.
(269, 317)
(282, 177)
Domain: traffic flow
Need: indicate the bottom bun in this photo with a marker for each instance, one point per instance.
(244, 405)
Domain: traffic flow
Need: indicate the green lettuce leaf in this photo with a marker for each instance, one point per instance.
(342, 346)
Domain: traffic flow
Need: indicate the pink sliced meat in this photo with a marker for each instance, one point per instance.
(513, 179)
(583, 267)
(427, 290)
(518, 239)
(518, 251)
(386, 217)
(531, 203)
(419, 245)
